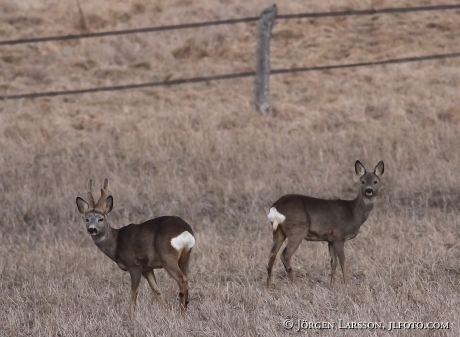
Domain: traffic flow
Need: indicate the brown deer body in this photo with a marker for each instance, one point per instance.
(298, 217)
(164, 242)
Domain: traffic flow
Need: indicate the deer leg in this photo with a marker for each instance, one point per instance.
(338, 245)
(135, 280)
(183, 265)
(278, 239)
(150, 277)
(292, 245)
(182, 282)
(333, 255)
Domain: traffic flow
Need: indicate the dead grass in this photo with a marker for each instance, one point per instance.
(201, 152)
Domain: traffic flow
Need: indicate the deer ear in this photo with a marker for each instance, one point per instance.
(108, 204)
(379, 168)
(82, 205)
(360, 169)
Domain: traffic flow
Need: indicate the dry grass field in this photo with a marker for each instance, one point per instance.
(203, 153)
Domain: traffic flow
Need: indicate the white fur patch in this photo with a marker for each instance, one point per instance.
(275, 217)
(184, 240)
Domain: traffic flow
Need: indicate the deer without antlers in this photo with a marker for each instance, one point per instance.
(298, 217)
(164, 242)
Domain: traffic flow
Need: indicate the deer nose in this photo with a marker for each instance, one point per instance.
(369, 191)
(92, 230)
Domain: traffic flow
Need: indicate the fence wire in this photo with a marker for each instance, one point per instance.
(391, 10)
(230, 76)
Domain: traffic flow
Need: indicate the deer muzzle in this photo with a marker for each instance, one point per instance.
(369, 191)
(92, 230)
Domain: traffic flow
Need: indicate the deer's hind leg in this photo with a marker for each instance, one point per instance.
(278, 239)
(184, 261)
(294, 237)
(182, 281)
(150, 277)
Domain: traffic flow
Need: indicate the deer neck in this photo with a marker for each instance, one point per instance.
(362, 208)
(107, 243)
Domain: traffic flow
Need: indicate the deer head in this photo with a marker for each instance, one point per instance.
(369, 180)
(96, 213)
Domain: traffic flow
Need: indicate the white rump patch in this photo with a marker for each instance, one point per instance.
(275, 217)
(184, 240)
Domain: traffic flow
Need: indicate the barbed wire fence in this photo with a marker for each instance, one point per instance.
(262, 68)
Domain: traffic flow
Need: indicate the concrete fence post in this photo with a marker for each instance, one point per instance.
(262, 79)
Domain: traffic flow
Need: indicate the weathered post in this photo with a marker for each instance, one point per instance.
(262, 80)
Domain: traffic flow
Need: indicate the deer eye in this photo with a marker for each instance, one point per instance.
(87, 220)
(100, 220)
(375, 181)
(362, 182)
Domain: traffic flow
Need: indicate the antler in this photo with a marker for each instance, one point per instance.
(89, 194)
(104, 195)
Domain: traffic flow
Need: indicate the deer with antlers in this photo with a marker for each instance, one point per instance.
(299, 217)
(164, 242)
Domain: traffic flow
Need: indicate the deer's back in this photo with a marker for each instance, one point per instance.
(145, 244)
(322, 216)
